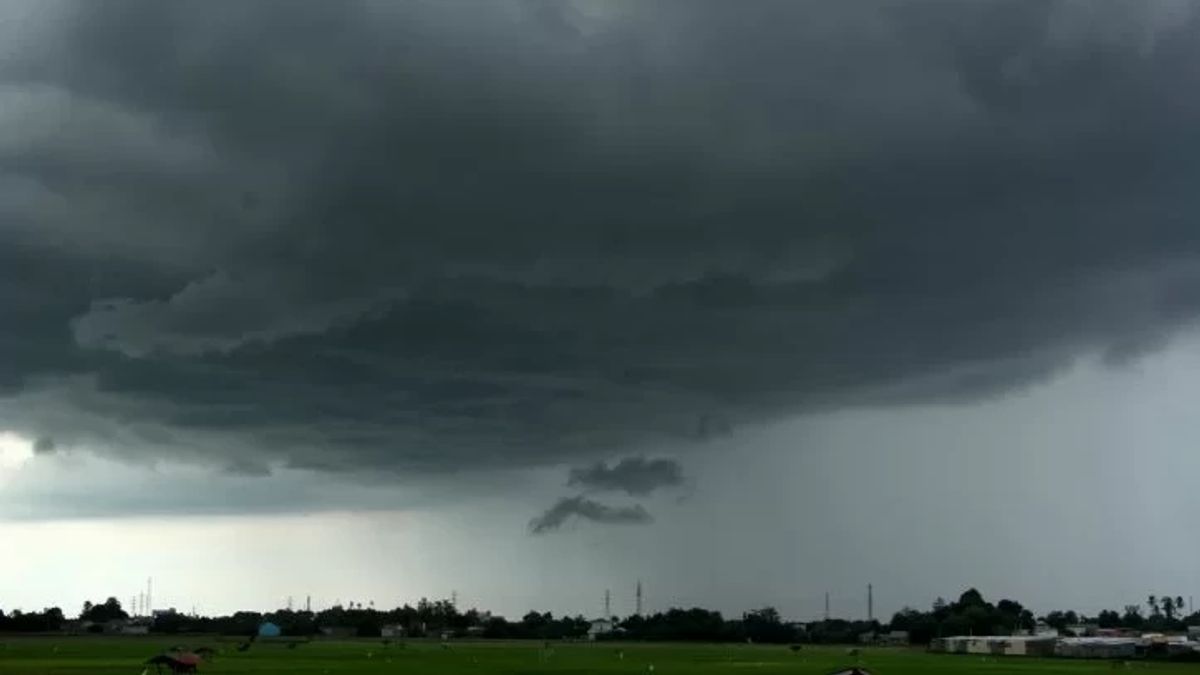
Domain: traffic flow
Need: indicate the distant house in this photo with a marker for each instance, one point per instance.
(136, 628)
(896, 638)
(1043, 629)
(338, 631)
(600, 627)
(392, 630)
(269, 630)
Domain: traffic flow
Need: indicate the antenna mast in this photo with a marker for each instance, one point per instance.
(607, 604)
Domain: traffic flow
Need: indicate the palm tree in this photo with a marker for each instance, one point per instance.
(1153, 602)
(1179, 604)
(1168, 607)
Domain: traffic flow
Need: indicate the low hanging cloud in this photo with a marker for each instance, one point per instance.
(44, 445)
(637, 476)
(583, 508)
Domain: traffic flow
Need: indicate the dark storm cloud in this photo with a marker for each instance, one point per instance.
(637, 476)
(397, 237)
(586, 509)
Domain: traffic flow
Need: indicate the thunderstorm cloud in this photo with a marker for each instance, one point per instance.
(372, 238)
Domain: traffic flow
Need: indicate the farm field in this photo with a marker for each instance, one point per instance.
(124, 656)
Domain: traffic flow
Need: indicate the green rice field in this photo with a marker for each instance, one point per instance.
(125, 656)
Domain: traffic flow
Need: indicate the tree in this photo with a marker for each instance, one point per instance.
(110, 610)
(764, 625)
(1168, 607)
(1152, 601)
(1179, 604)
(1132, 618)
(1109, 619)
(970, 598)
(1060, 619)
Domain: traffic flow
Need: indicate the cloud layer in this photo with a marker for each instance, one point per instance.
(380, 238)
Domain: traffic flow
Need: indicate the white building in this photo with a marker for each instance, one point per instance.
(600, 627)
(999, 645)
(393, 630)
(1096, 648)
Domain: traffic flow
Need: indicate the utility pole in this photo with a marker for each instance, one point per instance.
(639, 597)
(870, 604)
(607, 604)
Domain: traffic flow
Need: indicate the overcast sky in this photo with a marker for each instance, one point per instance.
(528, 299)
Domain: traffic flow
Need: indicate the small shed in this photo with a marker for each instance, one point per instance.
(269, 630)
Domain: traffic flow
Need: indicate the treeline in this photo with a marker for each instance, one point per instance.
(969, 614)
(972, 615)
(441, 618)
(46, 621)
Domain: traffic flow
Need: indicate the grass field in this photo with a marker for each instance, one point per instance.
(123, 656)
